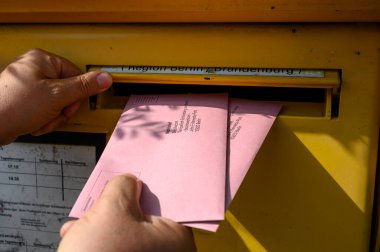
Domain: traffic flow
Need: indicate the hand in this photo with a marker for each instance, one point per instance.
(116, 223)
(40, 90)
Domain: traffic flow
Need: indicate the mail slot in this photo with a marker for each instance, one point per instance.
(312, 184)
(303, 92)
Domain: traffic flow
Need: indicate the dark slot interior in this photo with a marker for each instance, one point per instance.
(254, 93)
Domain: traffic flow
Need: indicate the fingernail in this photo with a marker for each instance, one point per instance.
(104, 80)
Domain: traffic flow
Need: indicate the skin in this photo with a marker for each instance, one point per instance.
(116, 223)
(38, 92)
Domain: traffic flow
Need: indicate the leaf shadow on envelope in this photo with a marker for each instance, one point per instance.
(146, 142)
(154, 128)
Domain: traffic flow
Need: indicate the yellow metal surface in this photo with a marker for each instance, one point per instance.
(85, 11)
(311, 187)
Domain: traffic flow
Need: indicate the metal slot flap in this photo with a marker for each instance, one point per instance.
(311, 93)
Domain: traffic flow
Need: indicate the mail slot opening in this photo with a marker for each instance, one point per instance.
(311, 102)
(306, 93)
(254, 93)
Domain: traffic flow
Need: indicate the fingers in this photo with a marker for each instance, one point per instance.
(65, 79)
(55, 122)
(116, 223)
(178, 237)
(65, 227)
(50, 126)
(71, 109)
(122, 194)
(76, 88)
(65, 68)
(52, 66)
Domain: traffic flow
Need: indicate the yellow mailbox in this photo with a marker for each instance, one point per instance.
(312, 185)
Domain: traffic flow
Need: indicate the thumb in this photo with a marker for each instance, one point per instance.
(82, 86)
(121, 196)
(65, 227)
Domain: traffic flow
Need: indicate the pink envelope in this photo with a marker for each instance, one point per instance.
(250, 122)
(176, 144)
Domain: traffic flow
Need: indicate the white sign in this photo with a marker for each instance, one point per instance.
(38, 186)
(240, 71)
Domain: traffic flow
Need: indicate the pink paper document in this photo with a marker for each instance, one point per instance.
(250, 122)
(176, 144)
